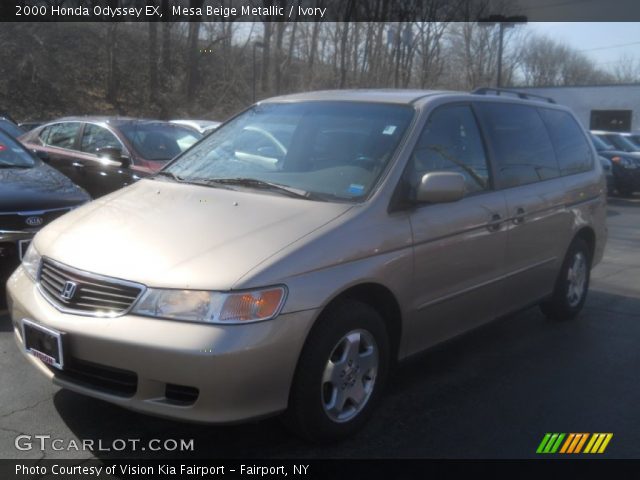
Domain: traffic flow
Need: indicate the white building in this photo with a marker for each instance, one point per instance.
(600, 107)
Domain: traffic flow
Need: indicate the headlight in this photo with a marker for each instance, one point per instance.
(624, 162)
(31, 262)
(212, 307)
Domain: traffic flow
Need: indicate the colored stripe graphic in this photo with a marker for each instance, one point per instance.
(555, 447)
(550, 443)
(568, 442)
(574, 443)
(544, 441)
(598, 443)
(580, 444)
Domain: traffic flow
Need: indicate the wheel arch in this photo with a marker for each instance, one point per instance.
(588, 234)
(378, 296)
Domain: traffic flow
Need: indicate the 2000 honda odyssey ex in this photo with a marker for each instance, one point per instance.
(285, 262)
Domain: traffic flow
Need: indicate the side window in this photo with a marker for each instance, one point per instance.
(63, 135)
(44, 135)
(523, 150)
(451, 142)
(95, 137)
(572, 149)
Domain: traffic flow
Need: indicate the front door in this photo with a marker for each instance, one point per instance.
(60, 141)
(103, 174)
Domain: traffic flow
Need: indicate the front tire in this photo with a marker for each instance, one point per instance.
(572, 284)
(340, 374)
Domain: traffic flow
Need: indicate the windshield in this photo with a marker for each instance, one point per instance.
(622, 143)
(601, 144)
(12, 154)
(159, 141)
(11, 128)
(331, 150)
(636, 140)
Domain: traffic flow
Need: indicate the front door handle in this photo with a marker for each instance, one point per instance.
(494, 223)
(519, 216)
(77, 165)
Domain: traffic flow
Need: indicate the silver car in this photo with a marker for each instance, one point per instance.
(287, 261)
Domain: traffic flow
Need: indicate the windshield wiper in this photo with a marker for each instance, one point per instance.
(171, 175)
(11, 165)
(261, 184)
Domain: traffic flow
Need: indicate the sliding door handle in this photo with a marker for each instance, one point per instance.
(494, 223)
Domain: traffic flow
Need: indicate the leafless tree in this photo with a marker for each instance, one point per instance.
(627, 70)
(545, 61)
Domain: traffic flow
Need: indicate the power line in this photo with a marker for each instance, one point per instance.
(610, 46)
(615, 61)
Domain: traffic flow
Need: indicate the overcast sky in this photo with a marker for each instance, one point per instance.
(602, 41)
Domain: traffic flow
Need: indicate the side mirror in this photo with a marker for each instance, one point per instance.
(42, 155)
(115, 154)
(440, 187)
(125, 161)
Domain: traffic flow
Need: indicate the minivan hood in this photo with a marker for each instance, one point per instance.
(37, 188)
(172, 235)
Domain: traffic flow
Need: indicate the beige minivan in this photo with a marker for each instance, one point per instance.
(288, 260)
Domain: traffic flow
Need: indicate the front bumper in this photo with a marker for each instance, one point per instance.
(238, 371)
(627, 178)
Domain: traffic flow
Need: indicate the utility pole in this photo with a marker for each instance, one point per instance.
(256, 44)
(503, 23)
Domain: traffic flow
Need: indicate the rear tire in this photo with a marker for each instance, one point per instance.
(340, 374)
(572, 284)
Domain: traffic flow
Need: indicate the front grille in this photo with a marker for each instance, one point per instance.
(21, 221)
(9, 259)
(75, 291)
(114, 381)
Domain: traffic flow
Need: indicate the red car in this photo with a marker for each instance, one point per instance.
(103, 154)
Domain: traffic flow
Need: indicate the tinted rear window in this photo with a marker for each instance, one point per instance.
(601, 144)
(572, 149)
(159, 141)
(521, 145)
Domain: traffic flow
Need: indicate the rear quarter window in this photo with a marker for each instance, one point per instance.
(569, 141)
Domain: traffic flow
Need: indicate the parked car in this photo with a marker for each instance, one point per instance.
(28, 126)
(634, 137)
(625, 166)
(238, 284)
(607, 168)
(103, 154)
(620, 141)
(201, 126)
(11, 128)
(5, 114)
(32, 194)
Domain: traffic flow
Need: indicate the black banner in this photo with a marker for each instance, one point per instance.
(315, 469)
(316, 10)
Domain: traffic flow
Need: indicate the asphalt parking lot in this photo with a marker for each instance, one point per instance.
(492, 393)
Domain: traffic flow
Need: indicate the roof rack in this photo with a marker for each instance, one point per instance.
(522, 95)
